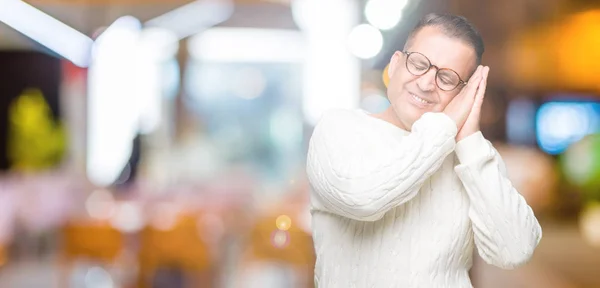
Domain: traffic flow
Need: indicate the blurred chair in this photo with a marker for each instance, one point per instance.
(89, 240)
(275, 239)
(178, 248)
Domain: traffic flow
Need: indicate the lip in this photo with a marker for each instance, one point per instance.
(413, 99)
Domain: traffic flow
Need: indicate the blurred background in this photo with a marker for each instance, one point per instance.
(154, 143)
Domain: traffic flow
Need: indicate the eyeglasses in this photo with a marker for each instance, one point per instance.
(445, 78)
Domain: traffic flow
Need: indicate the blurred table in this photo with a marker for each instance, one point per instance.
(562, 260)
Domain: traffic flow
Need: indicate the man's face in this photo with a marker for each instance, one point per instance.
(411, 96)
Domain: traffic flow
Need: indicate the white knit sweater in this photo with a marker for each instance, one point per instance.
(397, 209)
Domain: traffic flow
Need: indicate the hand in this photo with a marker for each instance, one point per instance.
(459, 108)
(472, 123)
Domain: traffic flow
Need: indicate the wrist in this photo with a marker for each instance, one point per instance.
(462, 134)
(472, 148)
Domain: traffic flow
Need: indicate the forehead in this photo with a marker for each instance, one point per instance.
(444, 51)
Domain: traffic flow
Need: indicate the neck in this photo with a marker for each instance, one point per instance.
(389, 115)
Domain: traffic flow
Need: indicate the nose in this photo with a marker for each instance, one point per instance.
(426, 82)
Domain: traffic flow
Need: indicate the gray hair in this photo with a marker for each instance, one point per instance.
(452, 26)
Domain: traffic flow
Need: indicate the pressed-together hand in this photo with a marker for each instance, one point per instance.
(461, 107)
(472, 123)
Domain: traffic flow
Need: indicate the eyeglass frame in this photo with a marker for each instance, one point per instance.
(437, 68)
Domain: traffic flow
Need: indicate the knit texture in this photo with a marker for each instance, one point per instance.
(397, 209)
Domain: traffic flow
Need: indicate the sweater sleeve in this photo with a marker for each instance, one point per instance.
(359, 172)
(506, 230)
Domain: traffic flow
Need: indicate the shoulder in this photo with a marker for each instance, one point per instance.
(348, 131)
(342, 120)
(342, 115)
(341, 129)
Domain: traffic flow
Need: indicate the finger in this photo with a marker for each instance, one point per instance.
(485, 72)
(483, 83)
(471, 87)
(470, 92)
(473, 80)
(481, 89)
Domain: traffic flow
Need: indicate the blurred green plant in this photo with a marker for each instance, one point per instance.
(581, 166)
(35, 140)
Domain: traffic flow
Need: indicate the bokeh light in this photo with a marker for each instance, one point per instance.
(365, 41)
(384, 14)
(581, 164)
(100, 205)
(532, 172)
(128, 217)
(97, 277)
(385, 77)
(559, 124)
(589, 223)
(283, 222)
(375, 102)
(280, 239)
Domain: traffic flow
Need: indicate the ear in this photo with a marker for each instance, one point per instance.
(394, 63)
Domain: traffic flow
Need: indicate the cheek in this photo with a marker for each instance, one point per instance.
(402, 77)
(396, 86)
(445, 99)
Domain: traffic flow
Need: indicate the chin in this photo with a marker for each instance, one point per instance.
(405, 117)
(415, 112)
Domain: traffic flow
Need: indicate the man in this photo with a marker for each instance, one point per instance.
(402, 198)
